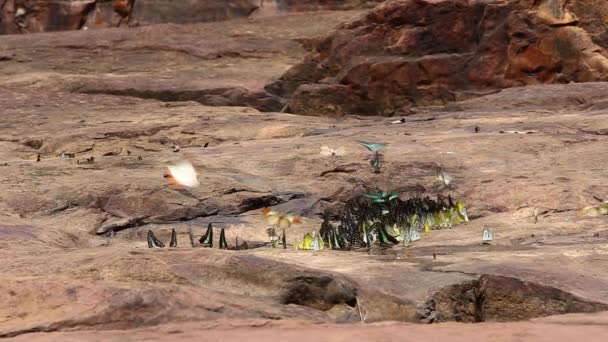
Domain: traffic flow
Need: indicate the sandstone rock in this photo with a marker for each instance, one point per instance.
(231, 68)
(407, 52)
(65, 278)
(27, 16)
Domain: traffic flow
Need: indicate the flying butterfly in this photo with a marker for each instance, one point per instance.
(376, 162)
(373, 147)
(332, 152)
(443, 178)
(282, 221)
(183, 174)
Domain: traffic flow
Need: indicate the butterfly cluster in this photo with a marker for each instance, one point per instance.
(205, 241)
(383, 218)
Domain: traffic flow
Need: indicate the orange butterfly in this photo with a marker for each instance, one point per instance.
(283, 221)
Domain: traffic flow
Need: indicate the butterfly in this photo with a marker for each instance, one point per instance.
(207, 239)
(312, 241)
(487, 235)
(381, 197)
(153, 242)
(443, 178)
(373, 147)
(376, 162)
(414, 235)
(223, 243)
(462, 211)
(283, 221)
(173, 242)
(331, 152)
(183, 174)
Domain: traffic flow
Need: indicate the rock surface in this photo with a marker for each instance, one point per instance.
(421, 52)
(66, 276)
(28, 16)
(571, 327)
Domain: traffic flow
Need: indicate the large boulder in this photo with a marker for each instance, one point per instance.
(413, 52)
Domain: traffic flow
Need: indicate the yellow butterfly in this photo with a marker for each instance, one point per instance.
(282, 221)
(602, 209)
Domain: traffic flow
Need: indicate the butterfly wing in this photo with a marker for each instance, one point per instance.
(273, 218)
(366, 145)
(326, 151)
(487, 234)
(283, 222)
(340, 151)
(393, 196)
(184, 174)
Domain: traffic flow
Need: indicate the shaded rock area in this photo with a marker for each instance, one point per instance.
(28, 16)
(91, 119)
(497, 298)
(413, 52)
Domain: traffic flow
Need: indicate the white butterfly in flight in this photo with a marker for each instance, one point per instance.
(183, 174)
(332, 152)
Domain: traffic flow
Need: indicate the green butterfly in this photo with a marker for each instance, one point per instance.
(374, 147)
(382, 197)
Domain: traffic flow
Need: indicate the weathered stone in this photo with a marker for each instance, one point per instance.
(76, 265)
(412, 52)
(28, 16)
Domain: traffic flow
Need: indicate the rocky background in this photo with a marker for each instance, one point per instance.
(496, 93)
(431, 52)
(28, 16)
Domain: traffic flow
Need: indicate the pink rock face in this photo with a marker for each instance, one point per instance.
(27, 16)
(408, 52)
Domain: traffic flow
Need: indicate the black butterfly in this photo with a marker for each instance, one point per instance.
(207, 239)
(223, 243)
(154, 242)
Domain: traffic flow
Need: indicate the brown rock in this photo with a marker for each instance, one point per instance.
(407, 52)
(27, 16)
(62, 281)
